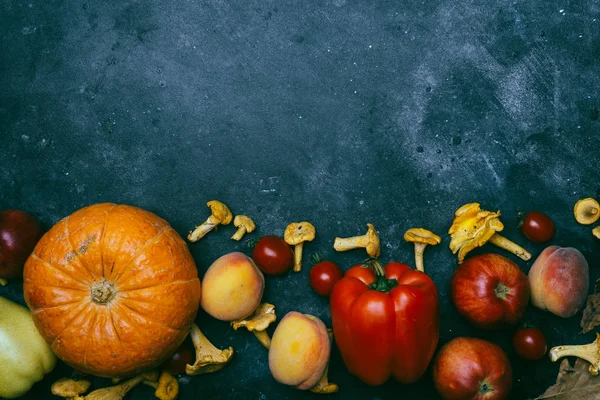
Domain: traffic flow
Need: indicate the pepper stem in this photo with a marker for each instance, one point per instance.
(589, 352)
(510, 246)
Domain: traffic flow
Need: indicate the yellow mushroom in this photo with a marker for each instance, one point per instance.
(323, 386)
(296, 234)
(596, 232)
(421, 238)
(244, 225)
(586, 211)
(473, 227)
(167, 387)
(70, 388)
(119, 391)
(258, 322)
(369, 241)
(220, 215)
(3, 282)
(589, 352)
(208, 357)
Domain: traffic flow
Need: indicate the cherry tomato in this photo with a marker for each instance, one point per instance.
(273, 255)
(530, 343)
(323, 276)
(176, 364)
(538, 227)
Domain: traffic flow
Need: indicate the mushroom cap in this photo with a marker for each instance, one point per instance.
(596, 232)
(260, 319)
(69, 387)
(299, 232)
(245, 221)
(421, 235)
(587, 211)
(220, 211)
(373, 245)
(472, 228)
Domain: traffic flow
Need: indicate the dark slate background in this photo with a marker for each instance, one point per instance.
(337, 112)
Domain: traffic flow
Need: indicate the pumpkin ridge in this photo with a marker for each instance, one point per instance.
(112, 321)
(139, 251)
(40, 309)
(34, 255)
(101, 244)
(87, 306)
(75, 252)
(178, 282)
(122, 304)
(91, 327)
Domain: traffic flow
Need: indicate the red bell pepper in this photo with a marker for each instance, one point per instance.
(386, 321)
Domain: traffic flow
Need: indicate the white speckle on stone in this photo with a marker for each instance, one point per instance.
(361, 202)
(44, 142)
(25, 138)
(28, 30)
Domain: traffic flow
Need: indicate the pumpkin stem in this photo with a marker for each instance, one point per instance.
(103, 292)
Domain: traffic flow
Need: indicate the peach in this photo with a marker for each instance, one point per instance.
(232, 287)
(559, 280)
(299, 350)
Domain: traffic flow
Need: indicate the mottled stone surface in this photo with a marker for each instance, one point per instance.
(337, 112)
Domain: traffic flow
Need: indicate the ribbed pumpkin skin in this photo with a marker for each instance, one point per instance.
(113, 289)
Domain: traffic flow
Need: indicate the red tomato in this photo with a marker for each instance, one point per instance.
(538, 227)
(530, 343)
(176, 364)
(323, 276)
(273, 255)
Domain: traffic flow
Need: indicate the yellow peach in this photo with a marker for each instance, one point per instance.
(299, 350)
(232, 287)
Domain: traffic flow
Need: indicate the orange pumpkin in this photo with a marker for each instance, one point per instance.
(113, 289)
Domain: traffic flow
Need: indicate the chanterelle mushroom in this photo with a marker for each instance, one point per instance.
(167, 386)
(596, 232)
(473, 227)
(220, 215)
(208, 357)
(589, 352)
(244, 225)
(323, 386)
(587, 211)
(296, 234)
(116, 392)
(69, 388)
(258, 322)
(369, 241)
(421, 238)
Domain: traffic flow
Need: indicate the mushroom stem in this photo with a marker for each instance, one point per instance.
(201, 230)
(263, 338)
(298, 257)
(354, 242)
(208, 357)
(239, 234)
(3, 282)
(589, 352)
(323, 386)
(115, 392)
(419, 249)
(510, 246)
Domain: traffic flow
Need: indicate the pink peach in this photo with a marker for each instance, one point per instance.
(559, 280)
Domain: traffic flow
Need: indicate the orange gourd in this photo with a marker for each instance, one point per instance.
(113, 289)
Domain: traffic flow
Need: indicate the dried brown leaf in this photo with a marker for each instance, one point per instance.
(574, 383)
(591, 312)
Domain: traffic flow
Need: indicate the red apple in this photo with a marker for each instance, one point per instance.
(469, 368)
(490, 291)
(19, 233)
